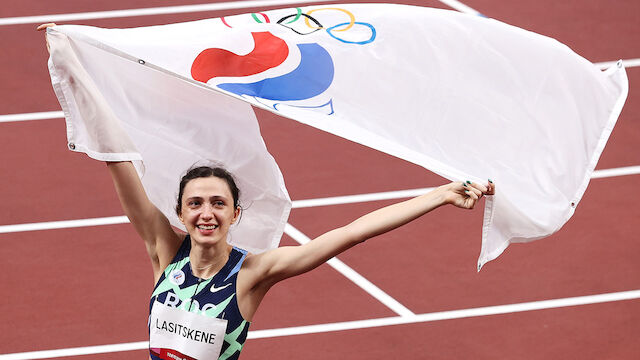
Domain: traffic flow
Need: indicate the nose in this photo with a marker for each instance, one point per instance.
(207, 212)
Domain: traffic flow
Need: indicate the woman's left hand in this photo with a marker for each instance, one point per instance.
(44, 27)
(466, 194)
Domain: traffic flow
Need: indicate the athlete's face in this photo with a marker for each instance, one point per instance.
(207, 209)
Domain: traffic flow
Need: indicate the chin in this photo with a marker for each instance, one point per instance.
(206, 240)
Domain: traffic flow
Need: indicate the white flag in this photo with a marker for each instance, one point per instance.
(467, 97)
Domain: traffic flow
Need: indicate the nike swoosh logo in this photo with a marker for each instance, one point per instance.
(215, 289)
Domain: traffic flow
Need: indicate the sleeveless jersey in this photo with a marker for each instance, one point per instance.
(214, 297)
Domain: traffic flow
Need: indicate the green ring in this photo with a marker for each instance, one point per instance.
(256, 18)
(297, 16)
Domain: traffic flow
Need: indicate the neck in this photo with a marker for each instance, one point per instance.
(206, 261)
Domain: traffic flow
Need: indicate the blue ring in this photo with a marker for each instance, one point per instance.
(373, 33)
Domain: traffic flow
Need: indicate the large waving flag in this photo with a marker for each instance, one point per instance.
(463, 96)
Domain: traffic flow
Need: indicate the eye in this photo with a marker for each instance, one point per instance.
(218, 203)
(193, 203)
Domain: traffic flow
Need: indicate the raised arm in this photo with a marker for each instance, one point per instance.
(150, 223)
(284, 262)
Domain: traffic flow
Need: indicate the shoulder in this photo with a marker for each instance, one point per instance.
(172, 253)
(253, 268)
(253, 261)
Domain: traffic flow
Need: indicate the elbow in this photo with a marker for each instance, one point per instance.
(354, 234)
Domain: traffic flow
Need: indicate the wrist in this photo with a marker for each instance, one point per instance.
(441, 195)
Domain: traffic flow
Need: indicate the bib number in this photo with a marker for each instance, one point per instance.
(180, 335)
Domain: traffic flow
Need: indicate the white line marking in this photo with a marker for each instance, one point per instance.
(32, 116)
(349, 199)
(87, 350)
(352, 275)
(457, 5)
(64, 224)
(627, 63)
(604, 173)
(39, 19)
(338, 200)
(447, 315)
(354, 325)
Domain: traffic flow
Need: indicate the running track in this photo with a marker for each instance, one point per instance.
(88, 286)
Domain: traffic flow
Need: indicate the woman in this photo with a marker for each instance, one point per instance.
(208, 207)
(207, 291)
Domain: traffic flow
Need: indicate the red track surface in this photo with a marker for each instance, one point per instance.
(90, 286)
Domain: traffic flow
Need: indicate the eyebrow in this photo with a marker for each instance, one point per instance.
(222, 197)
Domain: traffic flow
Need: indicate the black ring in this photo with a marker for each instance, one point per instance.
(320, 27)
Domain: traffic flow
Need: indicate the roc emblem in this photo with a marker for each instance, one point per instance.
(177, 277)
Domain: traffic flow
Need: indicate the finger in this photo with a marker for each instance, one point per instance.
(471, 194)
(480, 187)
(491, 188)
(468, 189)
(44, 26)
(477, 192)
(464, 187)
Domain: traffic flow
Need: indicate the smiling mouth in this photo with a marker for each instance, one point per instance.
(208, 227)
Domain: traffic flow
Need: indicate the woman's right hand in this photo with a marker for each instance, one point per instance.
(44, 27)
(466, 194)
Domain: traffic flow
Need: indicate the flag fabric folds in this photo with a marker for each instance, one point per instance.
(466, 97)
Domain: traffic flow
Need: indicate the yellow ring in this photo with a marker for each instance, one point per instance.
(351, 18)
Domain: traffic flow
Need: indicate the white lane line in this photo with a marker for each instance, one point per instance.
(354, 325)
(32, 116)
(86, 350)
(447, 315)
(457, 5)
(627, 63)
(349, 199)
(352, 275)
(604, 173)
(64, 224)
(400, 194)
(39, 19)
(296, 204)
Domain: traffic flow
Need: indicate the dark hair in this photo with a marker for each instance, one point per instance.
(208, 171)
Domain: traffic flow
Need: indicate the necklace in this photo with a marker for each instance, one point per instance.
(204, 267)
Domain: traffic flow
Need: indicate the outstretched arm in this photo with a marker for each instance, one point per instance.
(284, 262)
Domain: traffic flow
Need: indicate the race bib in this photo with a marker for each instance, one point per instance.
(180, 335)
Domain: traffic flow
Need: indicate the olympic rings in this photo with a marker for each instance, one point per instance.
(373, 34)
(317, 25)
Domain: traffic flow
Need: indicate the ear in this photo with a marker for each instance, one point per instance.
(180, 218)
(236, 214)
